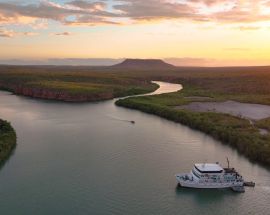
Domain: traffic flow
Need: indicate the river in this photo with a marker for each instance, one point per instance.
(86, 159)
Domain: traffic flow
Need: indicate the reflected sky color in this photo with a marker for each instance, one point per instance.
(88, 159)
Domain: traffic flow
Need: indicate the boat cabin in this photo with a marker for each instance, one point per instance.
(208, 168)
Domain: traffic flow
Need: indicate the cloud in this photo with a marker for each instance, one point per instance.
(248, 28)
(10, 33)
(89, 20)
(45, 10)
(211, 62)
(226, 11)
(155, 9)
(93, 6)
(186, 61)
(236, 49)
(40, 24)
(100, 12)
(63, 61)
(69, 13)
(63, 34)
(6, 33)
(29, 34)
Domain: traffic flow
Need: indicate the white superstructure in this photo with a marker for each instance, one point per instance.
(210, 175)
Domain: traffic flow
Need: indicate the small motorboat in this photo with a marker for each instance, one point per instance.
(249, 184)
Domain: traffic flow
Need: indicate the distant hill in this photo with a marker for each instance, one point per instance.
(144, 64)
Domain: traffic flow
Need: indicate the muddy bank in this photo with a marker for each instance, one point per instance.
(245, 110)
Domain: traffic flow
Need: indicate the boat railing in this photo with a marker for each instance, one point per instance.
(230, 170)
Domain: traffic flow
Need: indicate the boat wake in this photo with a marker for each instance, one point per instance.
(122, 120)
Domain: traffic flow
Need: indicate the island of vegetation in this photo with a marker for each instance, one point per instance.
(239, 84)
(7, 140)
(71, 84)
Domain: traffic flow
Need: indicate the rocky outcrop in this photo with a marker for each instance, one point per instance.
(144, 64)
(55, 94)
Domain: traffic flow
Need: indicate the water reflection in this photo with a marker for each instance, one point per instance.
(204, 196)
(74, 159)
(165, 88)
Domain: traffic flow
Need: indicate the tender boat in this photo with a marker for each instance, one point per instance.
(249, 184)
(211, 175)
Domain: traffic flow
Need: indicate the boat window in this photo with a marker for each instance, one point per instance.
(195, 173)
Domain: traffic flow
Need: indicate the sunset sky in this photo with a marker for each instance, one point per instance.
(183, 32)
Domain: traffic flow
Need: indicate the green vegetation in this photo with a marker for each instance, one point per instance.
(243, 84)
(235, 131)
(264, 124)
(70, 83)
(7, 140)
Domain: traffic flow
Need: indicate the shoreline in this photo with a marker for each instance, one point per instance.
(237, 132)
(250, 111)
(64, 96)
(7, 141)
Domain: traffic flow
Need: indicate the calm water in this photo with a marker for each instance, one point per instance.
(246, 110)
(83, 159)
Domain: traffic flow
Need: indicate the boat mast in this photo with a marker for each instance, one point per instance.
(228, 162)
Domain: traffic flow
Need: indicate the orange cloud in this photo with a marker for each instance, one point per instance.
(98, 12)
(6, 33)
(10, 33)
(62, 34)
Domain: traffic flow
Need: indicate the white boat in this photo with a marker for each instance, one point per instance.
(210, 175)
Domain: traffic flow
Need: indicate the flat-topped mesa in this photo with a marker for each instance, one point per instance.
(144, 64)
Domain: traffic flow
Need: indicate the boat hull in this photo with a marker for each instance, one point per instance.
(198, 185)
